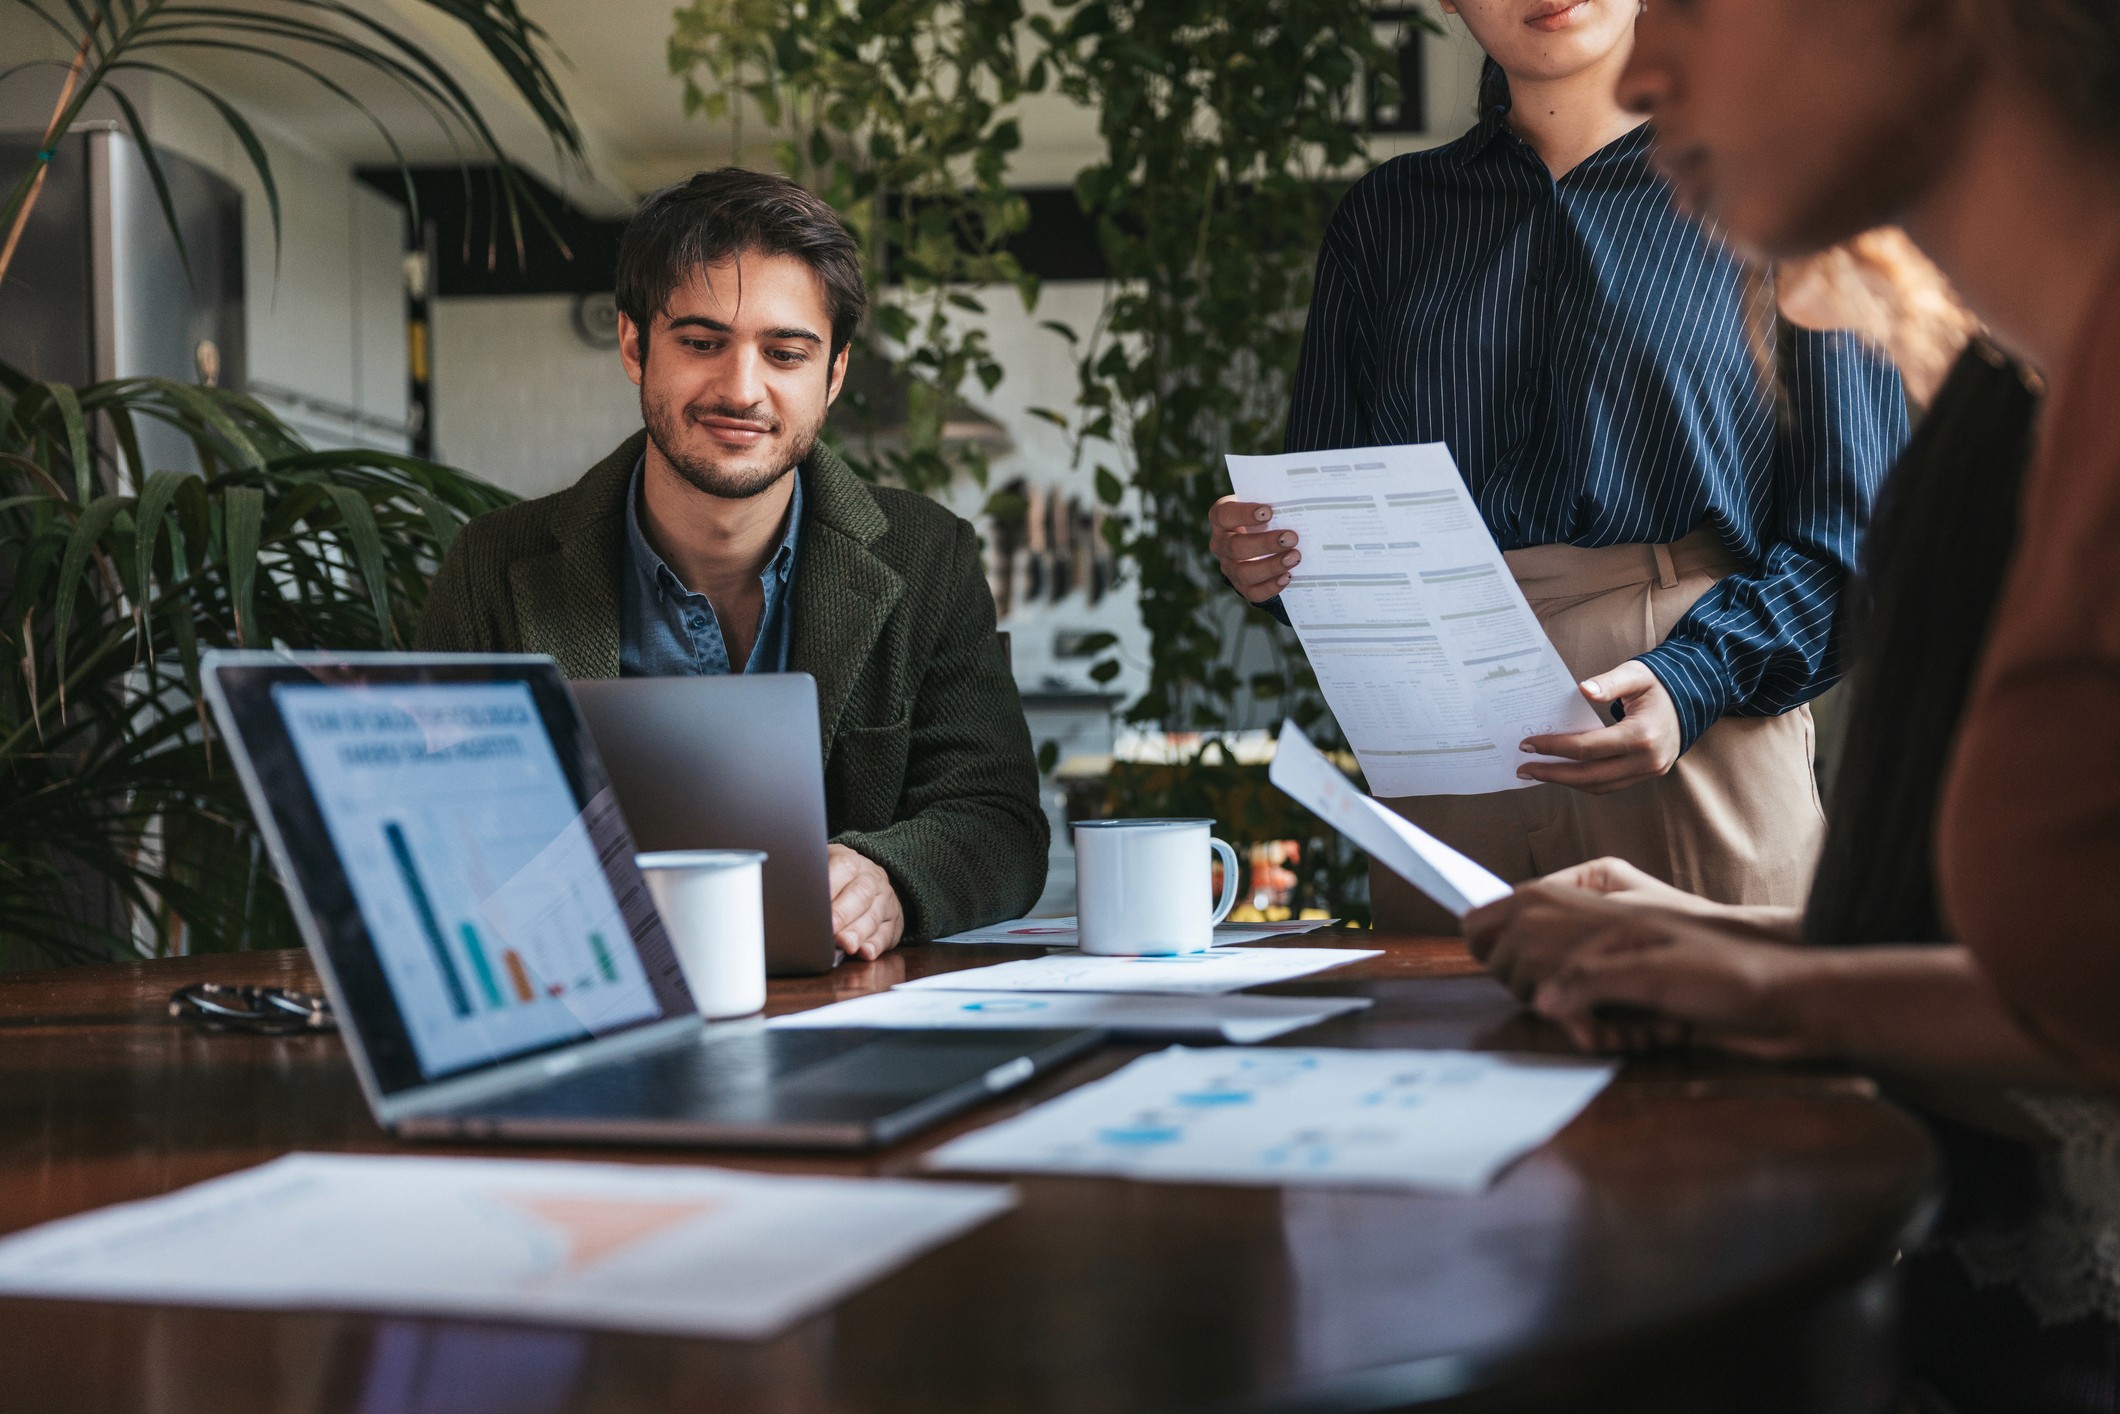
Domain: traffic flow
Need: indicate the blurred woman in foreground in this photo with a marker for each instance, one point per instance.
(1991, 132)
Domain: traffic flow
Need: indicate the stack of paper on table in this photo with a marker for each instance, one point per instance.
(679, 1251)
(1433, 663)
(1238, 1020)
(1062, 932)
(1187, 974)
(1422, 1119)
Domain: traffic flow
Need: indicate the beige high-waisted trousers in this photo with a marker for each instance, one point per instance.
(1736, 820)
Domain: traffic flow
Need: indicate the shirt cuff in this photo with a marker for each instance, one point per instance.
(1275, 607)
(1694, 677)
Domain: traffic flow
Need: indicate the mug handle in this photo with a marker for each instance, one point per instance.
(1229, 879)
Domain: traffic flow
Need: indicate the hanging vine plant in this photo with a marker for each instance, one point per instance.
(1226, 125)
(899, 115)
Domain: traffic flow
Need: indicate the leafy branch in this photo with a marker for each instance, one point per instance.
(1225, 125)
(108, 38)
(898, 113)
(116, 808)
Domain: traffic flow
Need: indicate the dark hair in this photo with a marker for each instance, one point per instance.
(1933, 565)
(2076, 46)
(1494, 99)
(714, 216)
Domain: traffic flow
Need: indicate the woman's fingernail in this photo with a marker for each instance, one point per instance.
(1526, 747)
(1265, 513)
(1287, 540)
(1592, 688)
(1523, 773)
(1284, 581)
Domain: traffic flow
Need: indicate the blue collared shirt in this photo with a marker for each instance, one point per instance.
(1579, 346)
(666, 630)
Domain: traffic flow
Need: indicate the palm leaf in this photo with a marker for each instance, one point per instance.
(287, 544)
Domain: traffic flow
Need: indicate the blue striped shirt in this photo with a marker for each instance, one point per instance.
(1580, 347)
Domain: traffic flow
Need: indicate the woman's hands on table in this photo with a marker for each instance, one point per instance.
(1256, 558)
(1525, 937)
(1624, 977)
(1656, 979)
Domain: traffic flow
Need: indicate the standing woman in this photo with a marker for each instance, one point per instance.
(1530, 296)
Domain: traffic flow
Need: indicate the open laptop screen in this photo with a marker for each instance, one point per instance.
(485, 882)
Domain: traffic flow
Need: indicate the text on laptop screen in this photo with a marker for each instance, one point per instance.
(477, 878)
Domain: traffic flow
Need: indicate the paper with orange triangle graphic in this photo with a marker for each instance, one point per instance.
(596, 1227)
(676, 1249)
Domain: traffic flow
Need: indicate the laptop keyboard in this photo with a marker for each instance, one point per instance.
(718, 1075)
(837, 1088)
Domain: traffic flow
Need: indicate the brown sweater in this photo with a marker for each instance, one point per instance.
(2029, 836)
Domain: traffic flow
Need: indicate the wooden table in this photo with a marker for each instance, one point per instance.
(1706, 1236)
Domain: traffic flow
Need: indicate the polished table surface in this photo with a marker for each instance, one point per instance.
(1682, 1245)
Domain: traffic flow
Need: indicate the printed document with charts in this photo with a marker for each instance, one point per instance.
(1449, 1120)
(636, 1247)
(1431, 660)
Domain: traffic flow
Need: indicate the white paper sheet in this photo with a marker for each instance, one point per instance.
(1420, 1119)
(1457, 883)
(681, 1251)
(1062, 932)
(1190, 974)
(1432, 662)
(1241, 1021)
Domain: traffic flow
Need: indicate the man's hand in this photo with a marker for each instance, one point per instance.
(867, 921)
(1640, 747)
(1253, 557)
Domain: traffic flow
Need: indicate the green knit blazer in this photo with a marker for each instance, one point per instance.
(928, 763)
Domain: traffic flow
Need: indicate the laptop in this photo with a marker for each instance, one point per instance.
(460, 871)
(727, 763)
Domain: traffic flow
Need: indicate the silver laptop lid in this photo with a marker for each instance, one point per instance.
(455, 858)
(731, 762)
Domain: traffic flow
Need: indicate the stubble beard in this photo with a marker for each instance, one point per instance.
(667, 428)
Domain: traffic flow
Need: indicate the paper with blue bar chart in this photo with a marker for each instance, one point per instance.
(1432, 662)
(1448, 1120)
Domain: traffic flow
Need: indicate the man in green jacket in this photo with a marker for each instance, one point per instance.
(723, 538)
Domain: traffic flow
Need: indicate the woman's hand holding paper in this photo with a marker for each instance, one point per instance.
(1255, 557)
(1641, 746)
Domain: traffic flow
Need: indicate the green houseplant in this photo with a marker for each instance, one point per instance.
(1229, 127)
(122, 828)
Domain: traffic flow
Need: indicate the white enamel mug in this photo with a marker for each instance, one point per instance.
(712, 903)
(1141, 886)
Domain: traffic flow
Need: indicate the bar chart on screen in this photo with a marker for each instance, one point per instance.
(479, 880)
